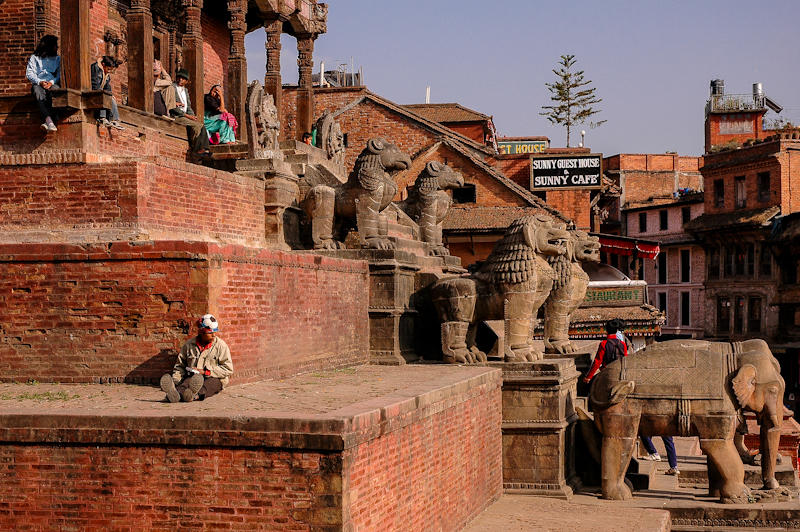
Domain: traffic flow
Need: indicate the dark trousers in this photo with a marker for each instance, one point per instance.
(44, 100)
(211, 386)
(672, 457)
(198, 137)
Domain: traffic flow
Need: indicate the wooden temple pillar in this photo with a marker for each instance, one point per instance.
(193, 54)
(140, 56)
(305, 89)
(74, 46)
(272, 79)
(236, 94)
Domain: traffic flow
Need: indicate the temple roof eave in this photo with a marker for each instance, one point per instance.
(300, 17)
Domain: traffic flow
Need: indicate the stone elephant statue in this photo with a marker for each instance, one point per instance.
(690, 387)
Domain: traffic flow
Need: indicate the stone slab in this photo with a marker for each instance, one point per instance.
(324, 410)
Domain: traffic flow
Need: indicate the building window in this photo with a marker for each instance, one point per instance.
(614, 259)
(723, 315)
(738, 315)
(662, 267)
(730, 258)
(662, 302)
(751, 260)
(642, 222)
(754, 315)
(765, 263)
(719, 193)
(465, 194)
(740, 259)
(685, 309)
(763, 187)
(686, 260)
(686, 214)
(713, 263)
(739, 192)
(663, 220)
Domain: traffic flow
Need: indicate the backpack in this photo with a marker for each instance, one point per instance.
(614, 350)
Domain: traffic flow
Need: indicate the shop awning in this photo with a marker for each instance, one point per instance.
(628, 247)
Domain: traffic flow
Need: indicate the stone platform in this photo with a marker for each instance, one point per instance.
(367, 447)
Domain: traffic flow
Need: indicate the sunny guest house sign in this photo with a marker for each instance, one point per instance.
(566, 171)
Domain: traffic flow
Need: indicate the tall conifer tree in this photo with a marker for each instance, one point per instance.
(574, 99)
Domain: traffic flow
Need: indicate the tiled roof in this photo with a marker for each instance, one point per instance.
(441, 130)
(661, 201)
(731, 220)
(447, 112)
(486, 219)
(637, 314)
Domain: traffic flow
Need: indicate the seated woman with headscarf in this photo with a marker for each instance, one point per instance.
(220, 124)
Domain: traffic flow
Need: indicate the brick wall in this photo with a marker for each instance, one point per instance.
(17, 40)
(427, 458)
(120, 311)
(517, 168)
(434, 474)
(112, 487)
(772, 157)
(714, 137)
(216, 47)
(574, 204)
(644, 176)
(170, 200)
(471, 130)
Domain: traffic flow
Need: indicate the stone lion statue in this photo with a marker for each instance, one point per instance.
(428, 203)
(569, 289)
(331, 138)
(510, 285)
(263, 127)
(369, 190)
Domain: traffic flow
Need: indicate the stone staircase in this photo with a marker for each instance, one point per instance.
(311, 164)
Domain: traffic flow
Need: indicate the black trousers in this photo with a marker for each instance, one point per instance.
(211, 386)
(44, 100)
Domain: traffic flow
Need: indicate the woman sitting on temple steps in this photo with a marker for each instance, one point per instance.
(44, 73)
(220, 124)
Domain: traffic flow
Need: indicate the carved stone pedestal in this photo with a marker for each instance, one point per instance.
(280, 193)
(538, 427)
(397, 279)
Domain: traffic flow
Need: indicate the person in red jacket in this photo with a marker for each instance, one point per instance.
(609, 350)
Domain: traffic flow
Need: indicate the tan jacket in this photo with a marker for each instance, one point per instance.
(216, 359)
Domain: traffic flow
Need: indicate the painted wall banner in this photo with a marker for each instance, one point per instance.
(508, 147)
(566, 171)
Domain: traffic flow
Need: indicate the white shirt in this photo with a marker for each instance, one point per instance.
(180, 92)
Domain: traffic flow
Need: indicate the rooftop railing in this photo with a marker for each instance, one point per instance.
(721, 103)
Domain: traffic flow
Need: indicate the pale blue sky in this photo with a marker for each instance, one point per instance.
(651, 61)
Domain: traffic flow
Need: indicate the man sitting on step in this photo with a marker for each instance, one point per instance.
(203, 368)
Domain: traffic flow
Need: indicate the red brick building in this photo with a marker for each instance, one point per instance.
(734, 119)
(472, 124)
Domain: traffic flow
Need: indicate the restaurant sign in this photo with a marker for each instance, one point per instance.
(507, 147)
(566, 171)
(621, 296)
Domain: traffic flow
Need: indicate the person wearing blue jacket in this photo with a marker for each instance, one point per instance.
(44, 73)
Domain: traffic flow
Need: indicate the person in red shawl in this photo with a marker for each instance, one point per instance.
(220, 124)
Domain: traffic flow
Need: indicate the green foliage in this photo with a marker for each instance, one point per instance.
(572, 96)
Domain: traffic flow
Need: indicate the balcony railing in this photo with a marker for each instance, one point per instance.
(726, 103)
